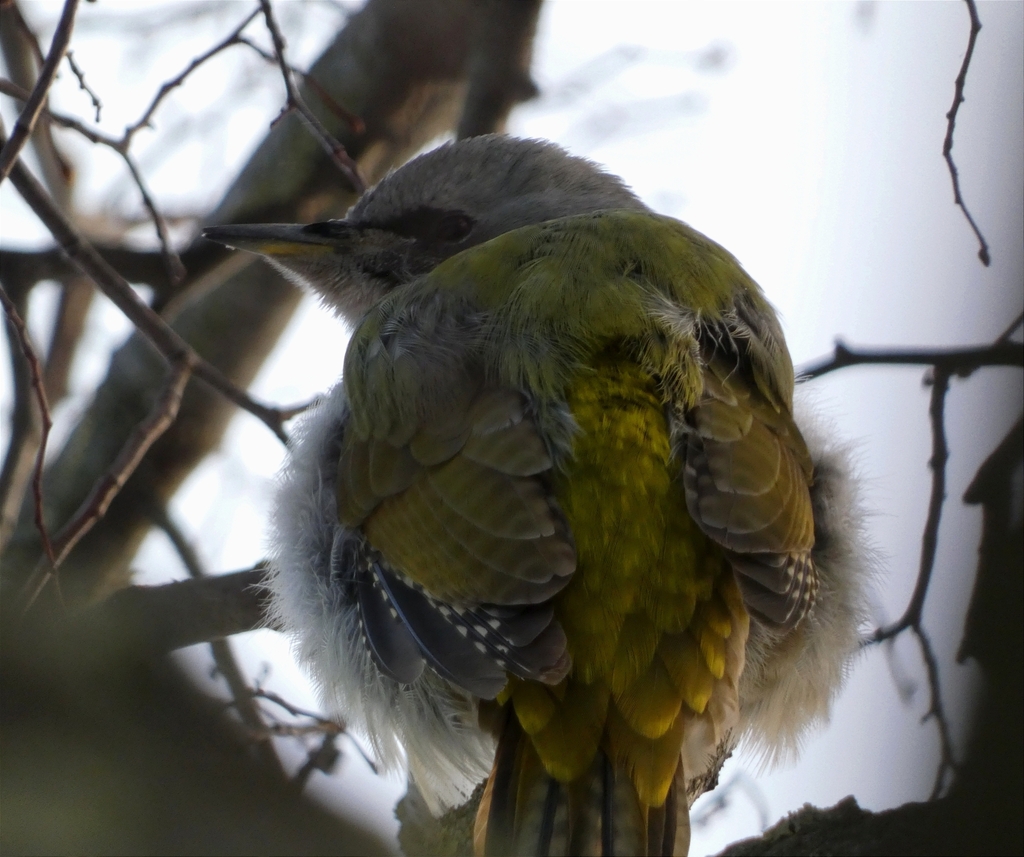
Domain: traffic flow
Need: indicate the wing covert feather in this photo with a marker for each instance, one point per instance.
(463, 508)
(747, 476)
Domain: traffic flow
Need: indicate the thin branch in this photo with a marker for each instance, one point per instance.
(23, 58)
(947, 144)
(955, 361)
(46, 423)
(23, 440)
(160, 416)
(911, 617)
(947, 759)
(95, 506)
(301, 730)
(355, 122)
(166, 340)
(295, 711)
(178, 80)
(35, 102)
(323, 758)
(175, 269)
(8, 87)
(944, 363)
(295, 104)
(78, 73)
(1011, 328)
(320, 724)
(172, 261)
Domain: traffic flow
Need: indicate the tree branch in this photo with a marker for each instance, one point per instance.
(95, 506)
(223, 657)
(23, 58)
(20, 449)
(34, 105)
(953, 361)
(499, 64)
(183, 613)
(947, 144)
(911, 617)
(336, 151)
(20, 269)
(159, 333)
(944, 364)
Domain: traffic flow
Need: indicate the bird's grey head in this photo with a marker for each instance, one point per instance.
(439, 204)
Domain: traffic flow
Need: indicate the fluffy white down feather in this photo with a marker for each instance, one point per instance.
(432, 721)
(790, 681)
(787, 686)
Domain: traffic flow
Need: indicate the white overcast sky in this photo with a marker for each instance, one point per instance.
(804, 137)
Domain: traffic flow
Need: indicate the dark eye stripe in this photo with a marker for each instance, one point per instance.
(433, 225)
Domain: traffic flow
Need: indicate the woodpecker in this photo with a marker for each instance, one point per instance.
(558, 526)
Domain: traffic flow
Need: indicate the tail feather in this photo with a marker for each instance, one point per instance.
(495, 818)
(525, 811)
(624, 818)
(540, 802)
(586, 798)
(668, 826)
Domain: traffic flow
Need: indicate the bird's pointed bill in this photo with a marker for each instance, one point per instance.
(271, 239)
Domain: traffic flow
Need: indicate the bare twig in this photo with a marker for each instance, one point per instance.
(323, 758)
(172, 261)
(23, 58)
(25, 428)
(944, 363)
(355, 122)
(947, 759)
(911, 617)
(78, 73)
(167, 342)
(121, 145)
(160, 416)
(955, 361)
(34, 104)
(179, 79)
(337, 152)
(95, 506)
(947, 144)
(8, 87)
(302, 730)
(326, 724)
(46, 423)
(1011, 328)
(319, 724)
